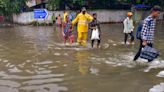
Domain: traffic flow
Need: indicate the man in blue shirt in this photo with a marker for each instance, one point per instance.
(148, 29)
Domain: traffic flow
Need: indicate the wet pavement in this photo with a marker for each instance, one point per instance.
(34, 59)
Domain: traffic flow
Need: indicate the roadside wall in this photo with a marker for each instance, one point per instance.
(104, 16)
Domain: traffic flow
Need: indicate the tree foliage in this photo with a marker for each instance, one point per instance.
(100, 4)
(53, 4)
(62, 4)
(8, 7)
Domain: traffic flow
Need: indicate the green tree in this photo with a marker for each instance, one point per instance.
(53, 4)
(99, 4)
(9, 7)
(61, 4)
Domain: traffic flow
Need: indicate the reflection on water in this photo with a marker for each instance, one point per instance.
(82, 59)
(34, 59)
(44, 88)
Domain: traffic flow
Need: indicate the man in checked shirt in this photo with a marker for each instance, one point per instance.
(148, 29)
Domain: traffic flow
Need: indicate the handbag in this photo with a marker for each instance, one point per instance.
(149, 53)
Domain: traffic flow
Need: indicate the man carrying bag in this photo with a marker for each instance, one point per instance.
(147, 35)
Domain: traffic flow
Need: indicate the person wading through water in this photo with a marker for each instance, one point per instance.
(148, 29)
(129, 28)
(83, 20)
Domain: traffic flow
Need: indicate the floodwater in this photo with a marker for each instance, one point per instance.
(34, 59)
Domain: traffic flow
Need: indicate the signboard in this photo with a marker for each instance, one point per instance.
(40, 13)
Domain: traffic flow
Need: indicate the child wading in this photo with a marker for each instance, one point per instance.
(59, 21)
(95, 31)
(67, 31)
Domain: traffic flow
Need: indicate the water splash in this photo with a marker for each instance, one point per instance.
(154, 65)
(161, 74)
(157, 88)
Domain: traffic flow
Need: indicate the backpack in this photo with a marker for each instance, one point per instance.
(139, 29)
(72, 16)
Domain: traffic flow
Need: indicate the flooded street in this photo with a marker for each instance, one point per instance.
(34, 59)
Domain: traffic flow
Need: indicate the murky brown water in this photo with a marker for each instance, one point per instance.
(34, 59)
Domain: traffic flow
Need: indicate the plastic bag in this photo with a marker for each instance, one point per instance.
(95, 34)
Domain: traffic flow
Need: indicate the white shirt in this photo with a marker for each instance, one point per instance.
(128, 25)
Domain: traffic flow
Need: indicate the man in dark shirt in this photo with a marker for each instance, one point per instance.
(95, 26)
